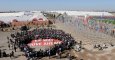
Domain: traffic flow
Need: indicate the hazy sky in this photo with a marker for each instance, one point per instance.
(6, 5)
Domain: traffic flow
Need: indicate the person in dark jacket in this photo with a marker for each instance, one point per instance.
(12, 53)
(15, 48)
(4, 54)
(0, 53)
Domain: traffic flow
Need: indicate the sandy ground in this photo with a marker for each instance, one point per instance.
(87, 54)
(90, 53)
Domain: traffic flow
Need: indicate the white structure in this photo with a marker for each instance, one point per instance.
(38, 15)
(84, 13)
(11, 14)
(21, 16)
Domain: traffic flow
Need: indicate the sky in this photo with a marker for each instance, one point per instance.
(29, 5)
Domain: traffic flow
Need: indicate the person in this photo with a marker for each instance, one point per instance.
(12, 53)
(59, 54)
(49, 53)
(56, 54)
(0, 53)
(30, 55)
(7, 38)
(15, 48)
(9, 46)
(69, 56)
(80, 42)
(4, 54)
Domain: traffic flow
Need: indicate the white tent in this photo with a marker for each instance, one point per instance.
(21, 16)
(38, 15)
(83, 13)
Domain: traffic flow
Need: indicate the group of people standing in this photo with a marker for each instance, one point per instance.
(23, 38)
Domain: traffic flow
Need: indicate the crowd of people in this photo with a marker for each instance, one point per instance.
(23, 38)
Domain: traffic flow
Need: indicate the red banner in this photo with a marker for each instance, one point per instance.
(44, 42)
